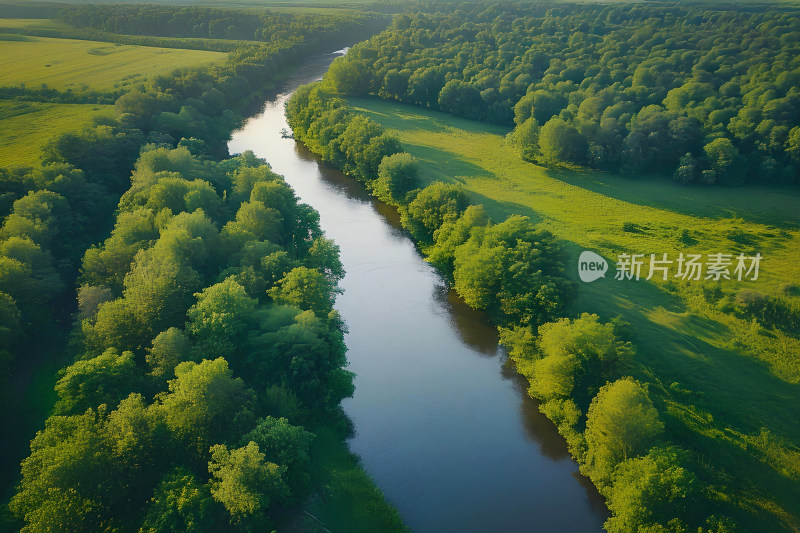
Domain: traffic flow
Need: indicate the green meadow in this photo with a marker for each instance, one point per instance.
(730, 389)
(28, 126)
(75, 64)
(69, 64)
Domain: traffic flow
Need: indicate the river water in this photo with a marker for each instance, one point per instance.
(445, 429)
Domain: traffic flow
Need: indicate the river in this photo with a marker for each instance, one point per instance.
(442, 425)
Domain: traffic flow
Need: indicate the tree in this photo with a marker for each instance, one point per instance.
(324, 256)
(648, 491)
(688, 170)
(451, 235)
(725, 160)
(305, 288)
(180, 503)
(202, 402)
(525, 139)
(559, 142)
(288, 446)
(220, 318)
(461, 99)
(170, 348)
(246, 483)
(397, 175)
(621, 424)
(60, 489)
(105, 379)
(512, 271)
(434, 205)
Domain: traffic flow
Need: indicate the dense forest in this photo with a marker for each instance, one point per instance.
(707, 94)
(213, 271)
(201, 329)
(171, 21)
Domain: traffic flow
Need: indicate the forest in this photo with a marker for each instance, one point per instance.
(190, 296)
(708, 95)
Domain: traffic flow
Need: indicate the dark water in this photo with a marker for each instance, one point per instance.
(445, 429)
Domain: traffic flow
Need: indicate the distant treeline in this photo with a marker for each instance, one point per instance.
(210, 23)
(213, 270)
(708, 94)
(579, 369)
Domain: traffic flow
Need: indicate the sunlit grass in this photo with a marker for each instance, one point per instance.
(27, 126)
(80, 65)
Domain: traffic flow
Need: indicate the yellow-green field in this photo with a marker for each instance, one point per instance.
(74, 64)
(720, 380)
(38, 24)
(27, 126)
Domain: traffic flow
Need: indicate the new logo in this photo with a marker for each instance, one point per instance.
(591, 266)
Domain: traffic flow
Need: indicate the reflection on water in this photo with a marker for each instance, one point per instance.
(442, 423)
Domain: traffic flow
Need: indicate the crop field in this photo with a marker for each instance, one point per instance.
(74, 64)
(27, 126)
(730, 387)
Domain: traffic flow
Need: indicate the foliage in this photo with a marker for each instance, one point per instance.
(513, 271)
(397, 176)
(618, 87)
(621, 424)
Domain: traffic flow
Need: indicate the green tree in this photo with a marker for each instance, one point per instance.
(433, 206)
(246, 483)
(452, 234)
(180, 503)
(397, 175)
(559, 142)
(107, 378)
(202, 402)
(305, 288)
(288, 446)
(170, 348)
(621, 424)
(220, 318)
(725, 160)
(648, 491)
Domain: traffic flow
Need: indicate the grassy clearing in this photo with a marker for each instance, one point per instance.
(727, 388)
(28, 126)
(79, 65)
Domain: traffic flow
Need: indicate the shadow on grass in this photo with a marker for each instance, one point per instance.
(773, 205)
(445, 166)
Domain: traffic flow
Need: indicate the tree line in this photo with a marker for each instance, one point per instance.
(578, 368)
(708, 94)
(210, 23)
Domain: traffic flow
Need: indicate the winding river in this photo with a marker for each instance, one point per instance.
(445, 429)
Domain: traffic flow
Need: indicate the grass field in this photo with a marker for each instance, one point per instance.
(79, 65)
(33, 24)
(727, 388)
(27, 126)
